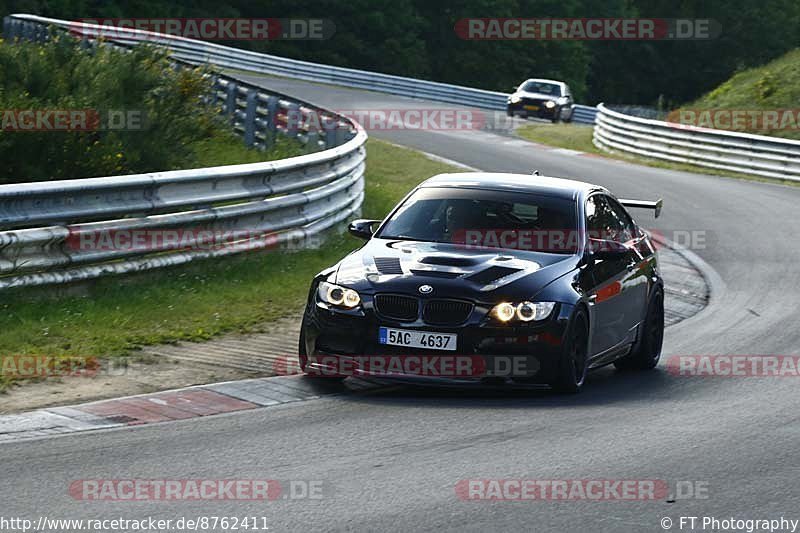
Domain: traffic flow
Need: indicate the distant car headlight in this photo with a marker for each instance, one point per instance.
(338, 296)
(549, 104)
(515, 99)
(524, 312)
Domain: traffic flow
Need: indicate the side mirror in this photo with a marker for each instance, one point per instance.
(362, 228)
(605, 249)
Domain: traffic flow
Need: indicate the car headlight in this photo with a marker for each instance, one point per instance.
(504, 311)
(524, 312)
(515, 99)
(549, 104)
(338, 296)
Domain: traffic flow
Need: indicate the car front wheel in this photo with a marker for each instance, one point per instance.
(574, 362)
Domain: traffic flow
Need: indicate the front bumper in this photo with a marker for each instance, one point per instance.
(345, 343)
(541, 111)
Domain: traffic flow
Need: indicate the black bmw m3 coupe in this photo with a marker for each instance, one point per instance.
(482, 278)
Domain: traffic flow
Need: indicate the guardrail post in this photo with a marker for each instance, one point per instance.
(312, 141)
(250, 118)
(293, 119)
(8, 25)
(230, 99)
(330, 126)
(272, 121)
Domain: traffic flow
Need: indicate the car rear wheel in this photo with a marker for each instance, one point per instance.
(647, 352)
(573, 365)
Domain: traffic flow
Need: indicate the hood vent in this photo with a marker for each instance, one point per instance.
(436, 273)
(388, 265)
(448, 260)
(491, 274)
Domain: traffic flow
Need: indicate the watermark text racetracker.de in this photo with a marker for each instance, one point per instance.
(734, 366)
(741, 119)
(71, 120)
(144, 240)
(208, 29)
(178, 490)
(430, 366)
(606, 490)
(586, 29)
(44, 366)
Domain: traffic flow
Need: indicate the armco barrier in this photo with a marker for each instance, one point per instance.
(758, 155)
(209, 212)
(199, 52)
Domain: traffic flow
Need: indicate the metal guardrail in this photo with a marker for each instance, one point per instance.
(198, 52)
(70, 230)
(584, 114)
(758, 155)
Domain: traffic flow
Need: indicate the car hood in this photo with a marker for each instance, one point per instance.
(452, 270)
(537, 96)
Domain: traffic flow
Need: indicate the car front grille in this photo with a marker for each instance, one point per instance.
(397, 307)
(446, 312)
(533, 101)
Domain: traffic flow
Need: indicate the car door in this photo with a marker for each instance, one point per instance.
(635, 285)
(607, 299)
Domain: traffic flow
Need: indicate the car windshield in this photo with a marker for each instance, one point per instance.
(541, 87)
(486, 219)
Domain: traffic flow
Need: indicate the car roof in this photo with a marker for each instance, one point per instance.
(557, 187)
(544, 80)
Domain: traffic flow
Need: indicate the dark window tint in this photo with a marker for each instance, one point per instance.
(486, 218)
(606, 219)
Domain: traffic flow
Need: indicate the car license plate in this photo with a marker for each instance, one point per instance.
(532, 107)
(417, 339)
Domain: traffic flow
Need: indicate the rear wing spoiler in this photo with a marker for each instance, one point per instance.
(644, 204)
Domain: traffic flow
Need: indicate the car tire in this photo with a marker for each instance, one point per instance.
(509, 111)
(573, 364)
(647, 351)
(556, 115)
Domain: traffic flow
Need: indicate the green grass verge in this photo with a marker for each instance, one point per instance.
(774, 86)
(116, 315)
(223, 148)
(577, 137)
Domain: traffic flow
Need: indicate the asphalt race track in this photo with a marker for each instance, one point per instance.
(391, 460)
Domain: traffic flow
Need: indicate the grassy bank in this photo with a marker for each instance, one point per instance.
(771, 87)
(113, 316)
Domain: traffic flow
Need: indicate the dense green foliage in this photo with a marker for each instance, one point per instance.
(172, 130)
(417, 38)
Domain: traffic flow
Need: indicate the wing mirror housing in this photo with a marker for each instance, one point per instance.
(362, 228)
